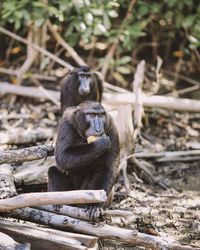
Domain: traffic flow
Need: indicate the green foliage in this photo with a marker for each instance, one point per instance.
(87, 20)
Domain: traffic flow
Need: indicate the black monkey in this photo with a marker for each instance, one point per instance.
(80, 85)
(82, 164)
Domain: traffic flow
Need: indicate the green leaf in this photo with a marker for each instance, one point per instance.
(124, 60)
(188, 21)
(123, 70)
(118, 77)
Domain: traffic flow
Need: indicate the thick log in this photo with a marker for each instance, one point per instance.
(7, 186)
(7, 243)
(103, 231)
(20, 136)
(26, 154)
(34, 172)
(166, 102)
(53, 198)
(45, 238)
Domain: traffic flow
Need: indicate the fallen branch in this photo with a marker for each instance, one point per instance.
(20, 136)
(33, 92)
(53, 198)
(103, 231)
(166, 102)
(33, 75)
(33, 173)
(26, 154)
(82, 213)
(48, 238)
(7, 186)
(7, 243)
(172, 103)
(168, 154)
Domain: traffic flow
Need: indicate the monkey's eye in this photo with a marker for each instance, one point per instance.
(92, 115)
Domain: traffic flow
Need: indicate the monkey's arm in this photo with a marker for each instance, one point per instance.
(72, 155)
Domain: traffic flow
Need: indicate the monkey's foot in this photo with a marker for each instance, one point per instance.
(95, 213)
(57, 207)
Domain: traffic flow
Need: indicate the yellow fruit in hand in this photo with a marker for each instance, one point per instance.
(92, 138)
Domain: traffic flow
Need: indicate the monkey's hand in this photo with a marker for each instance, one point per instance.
(57, 207)
(104, 142)
(95, 212)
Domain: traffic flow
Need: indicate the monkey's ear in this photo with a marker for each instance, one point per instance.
(98, 75)
(69, 113)
(108, 122)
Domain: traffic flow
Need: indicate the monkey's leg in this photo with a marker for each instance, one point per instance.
(58, 181)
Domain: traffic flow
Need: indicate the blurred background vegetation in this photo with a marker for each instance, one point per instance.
(142, 29)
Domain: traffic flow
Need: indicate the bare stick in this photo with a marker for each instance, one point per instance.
(36, 76)
(38, 48)
(7, 243)
(48, 238)
(137, 88)
(168, 154)
(33, 92)
(26, 154)
(53, 198)
(20, 136)
(62, 42)
(102, 231)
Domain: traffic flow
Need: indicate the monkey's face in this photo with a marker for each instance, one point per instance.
(85, 82)
(91, 122)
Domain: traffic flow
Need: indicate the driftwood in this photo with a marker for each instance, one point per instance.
(166, 102)
(157, 101)
(170, 156)
(34, 172)
(83, 214)
(46, 238)
(53, 198)
(7, 243)
(20, 136)
(7, 187)
(26, 154)
(36, 76)
(33, 92)
(103, 231)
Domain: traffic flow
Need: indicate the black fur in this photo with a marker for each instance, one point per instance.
(70, 84)
(81, 165)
